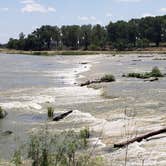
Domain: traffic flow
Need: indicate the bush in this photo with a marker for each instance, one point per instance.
(50, 112)
(93, 47)
(154, 73)
(39, 53)
(108, 78)
(63, 149)
(84, 134)
(142, 43)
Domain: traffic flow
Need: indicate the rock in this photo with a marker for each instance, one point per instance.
(5, 133)
(3, 113)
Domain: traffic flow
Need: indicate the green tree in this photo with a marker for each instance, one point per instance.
(85, 36)
(99, 36)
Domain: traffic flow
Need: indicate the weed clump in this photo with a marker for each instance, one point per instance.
(63, 149)
(154, 73)
(108, 78)
(50, 112)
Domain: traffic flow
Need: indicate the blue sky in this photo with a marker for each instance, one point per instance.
(25, 15)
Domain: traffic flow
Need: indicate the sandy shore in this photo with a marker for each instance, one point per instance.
(154, 50)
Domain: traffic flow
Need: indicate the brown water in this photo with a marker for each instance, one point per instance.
(115, 112)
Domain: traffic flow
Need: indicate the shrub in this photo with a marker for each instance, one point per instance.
(84, 134)
(108, 78)
(154, 73)
(17, 158)
(40, 53)
(50, 112)
(63, 149)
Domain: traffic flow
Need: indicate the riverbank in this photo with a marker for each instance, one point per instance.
(154, 50)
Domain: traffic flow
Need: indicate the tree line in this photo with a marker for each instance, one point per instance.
(121, 35)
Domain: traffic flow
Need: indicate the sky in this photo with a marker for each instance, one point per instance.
(26, 15)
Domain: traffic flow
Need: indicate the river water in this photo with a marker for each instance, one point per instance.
(113, 111)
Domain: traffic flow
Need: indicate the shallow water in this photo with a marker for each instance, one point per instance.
(117, 111)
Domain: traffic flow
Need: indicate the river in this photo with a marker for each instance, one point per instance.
(113, 111)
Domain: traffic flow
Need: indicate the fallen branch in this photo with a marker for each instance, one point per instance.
(105, 78)
(62, 116)
(90, 82)
(140, 138)
(152, 79)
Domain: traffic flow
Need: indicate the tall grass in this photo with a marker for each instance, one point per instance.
(68, 148)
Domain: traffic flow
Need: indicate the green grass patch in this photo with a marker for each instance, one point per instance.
(40, 53)
(108, 78)
(67, 148)
(50, 112)
(154, 73)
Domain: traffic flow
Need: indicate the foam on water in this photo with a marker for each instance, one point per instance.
(69, 75)
(33, 98)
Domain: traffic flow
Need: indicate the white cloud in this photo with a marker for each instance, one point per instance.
(147, 15)
(5, 9)
(163, 9)
(85, 18)
(33, 6)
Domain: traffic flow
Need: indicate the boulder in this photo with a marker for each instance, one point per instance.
(3, 113)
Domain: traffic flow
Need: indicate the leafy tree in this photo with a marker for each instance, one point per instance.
(85, 36)
(99, 36)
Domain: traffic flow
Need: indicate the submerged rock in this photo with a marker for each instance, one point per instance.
(3, 113)
(5, 133)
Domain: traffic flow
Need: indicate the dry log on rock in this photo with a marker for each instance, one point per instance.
(140, 138)
(62, 116)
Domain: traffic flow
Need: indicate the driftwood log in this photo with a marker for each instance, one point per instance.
(90, 82)
(140, 138)
(62, 116)
(152, 79)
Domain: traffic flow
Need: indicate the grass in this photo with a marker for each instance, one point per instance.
(64, 149)
(78, 52)
(108, 78)
(154, 73)
(50, 112)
